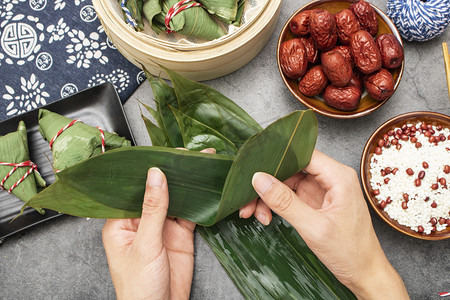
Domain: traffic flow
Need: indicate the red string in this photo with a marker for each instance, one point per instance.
(176, 9)
(61, 131)
(30, 164)
(102, 135)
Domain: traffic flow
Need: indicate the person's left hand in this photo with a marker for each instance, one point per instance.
(151, 257)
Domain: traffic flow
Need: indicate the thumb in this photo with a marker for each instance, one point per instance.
(154, 208)
(283, 201)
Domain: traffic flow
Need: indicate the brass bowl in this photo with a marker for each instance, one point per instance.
(366, 104)
(369, 149)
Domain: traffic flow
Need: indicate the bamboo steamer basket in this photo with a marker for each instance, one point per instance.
(202, 61)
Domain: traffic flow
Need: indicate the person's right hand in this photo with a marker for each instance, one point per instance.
(326, 206)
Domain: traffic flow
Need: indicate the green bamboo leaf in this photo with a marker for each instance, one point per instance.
(136, 9)
(271, 262)
(165, 96)
(194, 22)
(14, 149)
(77, 142)
(213, 109)
(201, 185)
(156, 134)
(151, 9)
(112, 185)
(225, 10)
(238, 20)
(153, 112)
(197, 136)
(282, 149)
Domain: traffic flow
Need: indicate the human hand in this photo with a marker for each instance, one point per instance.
(151, 257)
(327, 208)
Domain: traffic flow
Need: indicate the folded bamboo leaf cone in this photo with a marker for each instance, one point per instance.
(76, 143)
(14, 150)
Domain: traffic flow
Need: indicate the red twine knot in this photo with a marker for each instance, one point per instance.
(176, 9)
(30, 164)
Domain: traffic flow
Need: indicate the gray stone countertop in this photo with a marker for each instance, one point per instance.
(64, 258)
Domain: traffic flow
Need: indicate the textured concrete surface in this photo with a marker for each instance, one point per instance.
(64, 258)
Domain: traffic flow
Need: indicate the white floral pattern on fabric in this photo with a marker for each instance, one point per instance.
(6, 7)
(38, 5)
(110, 43)
(31, 96)
(88, 14)
(68, 89)
(62, 45)
(140, 77)
(119, 78)
(58, 31)
(78, 2)
(85, 49)
(21, 39)
(59, 4)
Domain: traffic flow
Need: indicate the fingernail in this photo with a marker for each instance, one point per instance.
(154, 177)
(261, 182)
(241, 211)
(263, 219)
(209, 150)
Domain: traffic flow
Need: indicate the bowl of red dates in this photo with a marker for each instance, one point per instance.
(405, 174)
(342, 59)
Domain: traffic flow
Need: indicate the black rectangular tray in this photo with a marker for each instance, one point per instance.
(97, 106)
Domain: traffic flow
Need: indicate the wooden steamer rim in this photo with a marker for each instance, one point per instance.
(199, 62)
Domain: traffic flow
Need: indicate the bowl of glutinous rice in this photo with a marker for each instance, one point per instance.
(200, 52)
(405, 172)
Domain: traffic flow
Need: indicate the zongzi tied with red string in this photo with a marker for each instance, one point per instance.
(190, 18)
(187, 18)
(18, 175)
(72, 141)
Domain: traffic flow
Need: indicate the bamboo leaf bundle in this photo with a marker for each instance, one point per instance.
(78, 142)
(196, 22)
(14, 150)
(270, 262)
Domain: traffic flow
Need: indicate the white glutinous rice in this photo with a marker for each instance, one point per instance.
(412, 181)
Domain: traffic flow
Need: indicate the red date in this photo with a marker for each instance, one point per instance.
(366, 16)
(379, 85)
(343, 98)
(313, 82)
(299, 23)
(336, 68)
(322, 28)
(391, 50)
(346, 53)
(312, 53)
(357, 80)
(366, 55)
(293, 58)
(347, 24)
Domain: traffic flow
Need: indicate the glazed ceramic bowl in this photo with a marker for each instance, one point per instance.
(366, 104)
(369, 151)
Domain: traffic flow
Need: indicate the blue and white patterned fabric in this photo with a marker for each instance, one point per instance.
(50, 49)
(418, 20)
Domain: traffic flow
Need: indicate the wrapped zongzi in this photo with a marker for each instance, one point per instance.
(193, 21)
(18, 175)
(72, 141)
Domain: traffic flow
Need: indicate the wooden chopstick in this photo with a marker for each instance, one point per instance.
(447, 65)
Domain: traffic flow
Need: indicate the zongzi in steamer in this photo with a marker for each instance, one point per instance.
(72, 141)
(18, 175)
(189, 19)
